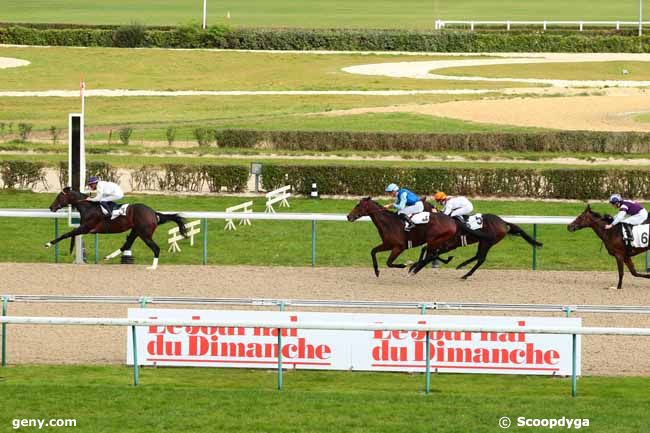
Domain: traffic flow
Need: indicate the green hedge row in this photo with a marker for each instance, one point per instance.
(569, 141)
(331, 39)
(22, 174)
(484, 182)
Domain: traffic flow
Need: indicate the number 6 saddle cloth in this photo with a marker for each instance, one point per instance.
(639, 236)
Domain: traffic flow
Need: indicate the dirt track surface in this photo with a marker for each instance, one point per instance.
(66, 344)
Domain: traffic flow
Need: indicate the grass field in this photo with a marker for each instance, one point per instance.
(158, 69)
(101, 399)
(326, 13)
(637, 71)
(289, 243)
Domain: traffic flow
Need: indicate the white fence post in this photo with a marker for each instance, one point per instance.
(193, 228)
(279, 195)
(244, 207)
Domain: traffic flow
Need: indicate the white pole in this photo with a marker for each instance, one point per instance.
(640, 17)
(205, 13)
(82, 87)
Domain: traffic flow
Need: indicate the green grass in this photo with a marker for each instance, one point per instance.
(557, 71)
(644, 118)
(101, 399)
(289, 243)
(157, 69)
(326, 13)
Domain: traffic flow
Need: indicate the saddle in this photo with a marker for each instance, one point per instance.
(115, 210)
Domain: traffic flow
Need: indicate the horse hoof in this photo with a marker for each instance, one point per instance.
(48, 245)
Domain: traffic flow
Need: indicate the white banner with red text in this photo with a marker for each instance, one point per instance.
(454, 352)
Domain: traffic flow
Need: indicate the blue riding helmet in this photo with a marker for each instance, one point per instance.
(392, 187)
(615, 198)
(93, 179)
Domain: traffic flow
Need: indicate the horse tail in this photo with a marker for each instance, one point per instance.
(514, 229)
(166, 217)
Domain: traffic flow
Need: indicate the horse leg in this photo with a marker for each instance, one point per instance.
(619, 263)
(630, 266)
(430, 257)
(76, 232)
(393, 255)
(125, 247)
(373, 254)
(483, 249)
(154, 247)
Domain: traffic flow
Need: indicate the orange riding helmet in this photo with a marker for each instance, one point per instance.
(440, 196)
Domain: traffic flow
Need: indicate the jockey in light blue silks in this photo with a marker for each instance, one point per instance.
(407, 203)
(629, 212)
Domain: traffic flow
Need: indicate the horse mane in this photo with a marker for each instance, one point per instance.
(606, 217)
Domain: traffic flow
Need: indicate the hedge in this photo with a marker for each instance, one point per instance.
(22, 174)
(580, 184)
(568, 141)
(334, 39)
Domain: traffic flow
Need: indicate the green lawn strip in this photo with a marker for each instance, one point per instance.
(644, 118)
(101, 399)
(252, 112)
(136, 161)
(159, 69)
(559, 71)
(289, 243)
(324, 14)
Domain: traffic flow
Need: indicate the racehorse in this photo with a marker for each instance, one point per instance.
(141, 219)
(613, 240)
(493, 231)
(393, 236)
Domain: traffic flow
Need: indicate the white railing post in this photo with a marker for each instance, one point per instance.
(581, 24)
(508, 25)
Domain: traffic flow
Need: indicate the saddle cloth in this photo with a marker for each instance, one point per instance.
(640, 235)
(420, 218)
(118, 212)
(475, 222)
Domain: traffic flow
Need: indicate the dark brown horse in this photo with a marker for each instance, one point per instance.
(613, 240)
(493, 231)
(393, 236)
(141, 219)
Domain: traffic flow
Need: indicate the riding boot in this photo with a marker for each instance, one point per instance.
(409, 223)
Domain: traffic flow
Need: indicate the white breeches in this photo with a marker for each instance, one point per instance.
(461, 211)
(637, 219)
(410, 210)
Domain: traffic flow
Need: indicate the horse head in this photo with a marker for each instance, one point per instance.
(65, 198)
(586, 219)
(364, 208)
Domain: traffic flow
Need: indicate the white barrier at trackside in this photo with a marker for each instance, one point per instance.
(339, 326)
(278, 195)
(517, 219)
(246, 207)
(193, 228)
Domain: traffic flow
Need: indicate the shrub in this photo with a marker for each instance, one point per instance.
(170, 134)
(145, 178)
(129, 36)
(125, 135)
(24, 131)
(203, 136)
(232, 177)
(55, 133)
(579, 184)
(22, 174)
(100, 169)
(181, 178)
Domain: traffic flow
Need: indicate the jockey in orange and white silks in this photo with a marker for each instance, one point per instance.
(454, 206)
(407, 203)
(629, 212)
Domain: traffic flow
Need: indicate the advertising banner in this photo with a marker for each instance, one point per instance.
(457, 352)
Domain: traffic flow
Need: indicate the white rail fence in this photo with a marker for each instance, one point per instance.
(313, 217)
(269, 216)
(441, 24)
(340, 326)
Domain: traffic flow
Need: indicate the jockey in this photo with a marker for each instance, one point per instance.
(454, 206)
(107, 193)
(407, 203)
(629, 212)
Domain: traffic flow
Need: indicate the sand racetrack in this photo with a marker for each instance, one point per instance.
(66, 344)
